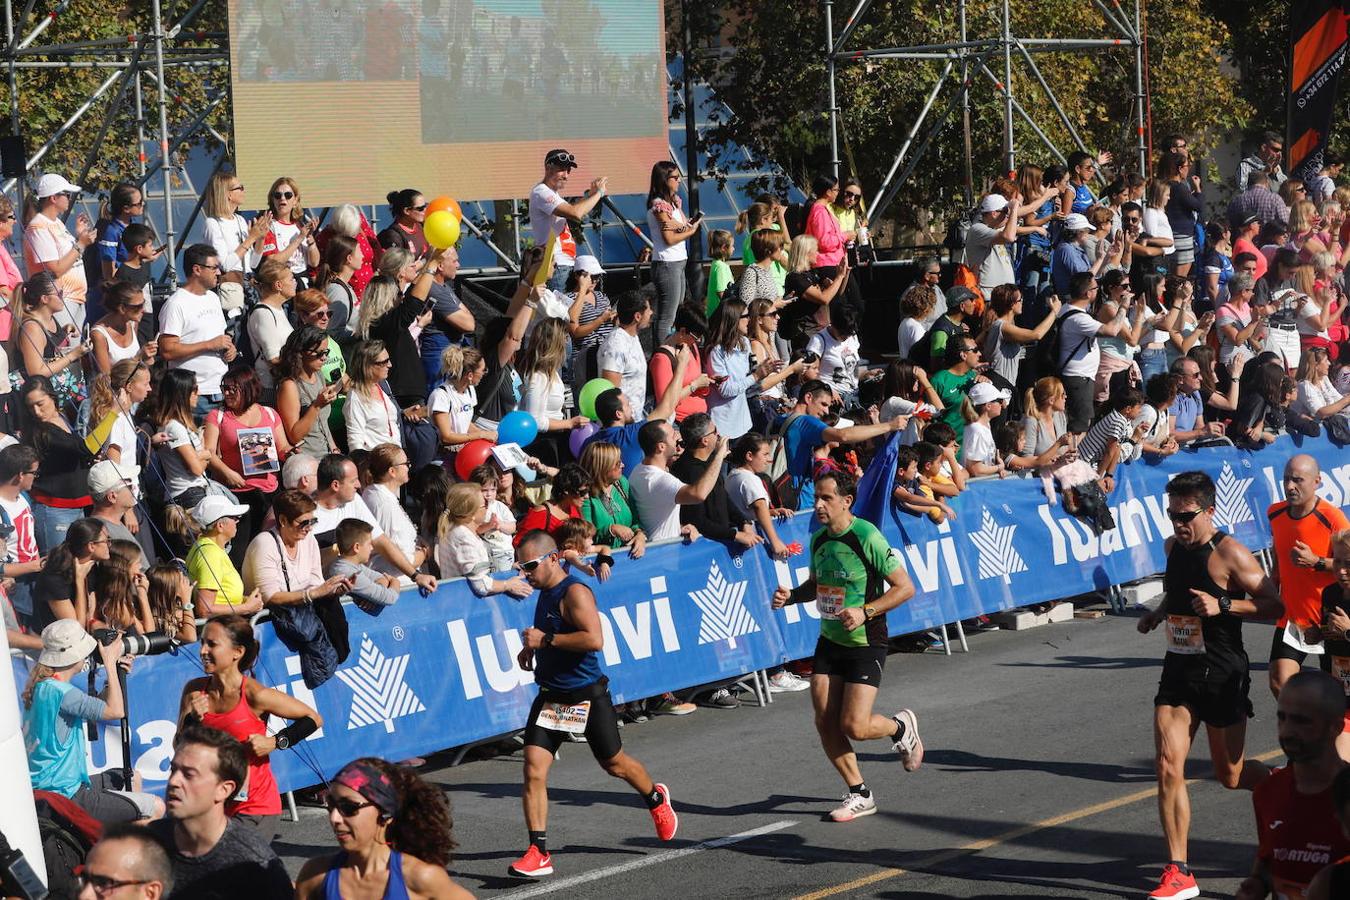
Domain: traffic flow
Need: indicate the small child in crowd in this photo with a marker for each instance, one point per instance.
(911, 492)
(499, 523)
(370, 591)
(576, 540)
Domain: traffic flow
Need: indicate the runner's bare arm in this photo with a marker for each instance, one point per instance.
(578, 608)
(1244, 575)
(900, 591)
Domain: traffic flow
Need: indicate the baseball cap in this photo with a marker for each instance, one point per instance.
(109, 476)
(589, 264)
(984, 392)
(1248, 219)
(993, 203)
(1077, 222)
(64, 643)
(560, 158)
(51, 184)
(958, 295)
(214, 508)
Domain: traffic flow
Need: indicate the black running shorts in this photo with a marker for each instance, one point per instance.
(1280, 650)
(856, 665)
(1219, 704)
(602, 724)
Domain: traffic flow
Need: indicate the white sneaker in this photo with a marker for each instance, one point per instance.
(854, 806)
(785, 682)
(910, 746)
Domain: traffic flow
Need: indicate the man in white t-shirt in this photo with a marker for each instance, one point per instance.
(657, 494)
(49, 245)
(621, 359)
(192, 327)
(549, 212)
(1078, 354)
(338, 499)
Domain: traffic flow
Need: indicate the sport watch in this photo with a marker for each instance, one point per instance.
(283, 742)
(1225, 604)
(869, 612)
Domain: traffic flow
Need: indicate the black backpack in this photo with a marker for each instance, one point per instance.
(1045, 358)
(921, 354)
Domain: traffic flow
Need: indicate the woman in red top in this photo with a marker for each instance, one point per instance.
(248, 443)
(831, 242)
(571, 485)
(690, 329)
(349, 221)
(238, 705)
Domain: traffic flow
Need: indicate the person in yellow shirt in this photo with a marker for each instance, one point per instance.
(217, 586)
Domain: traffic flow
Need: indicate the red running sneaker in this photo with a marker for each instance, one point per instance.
(1175, 885)
(533, 864)
(667, 823)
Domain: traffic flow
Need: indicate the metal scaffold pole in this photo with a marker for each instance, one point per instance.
(163, 90)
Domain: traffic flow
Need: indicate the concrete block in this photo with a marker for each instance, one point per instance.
(1062, 612)
(1022, 619)
(1145, 593)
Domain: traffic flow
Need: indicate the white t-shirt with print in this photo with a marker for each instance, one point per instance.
(622, 352)
(196, 319)
(459, 407)
(654, 493)
(543, 201)
(838, 359)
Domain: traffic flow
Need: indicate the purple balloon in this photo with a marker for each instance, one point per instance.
(577, 439)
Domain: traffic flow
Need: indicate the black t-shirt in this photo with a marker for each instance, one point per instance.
(140, 277)
(47, 587)
(796, 322)
(241, 864)
(395, 236)
(497, 391)
(407, 378)
(64, 470)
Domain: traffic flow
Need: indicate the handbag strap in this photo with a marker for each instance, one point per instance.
(281, 553)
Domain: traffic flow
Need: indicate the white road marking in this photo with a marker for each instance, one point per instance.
(550, 887)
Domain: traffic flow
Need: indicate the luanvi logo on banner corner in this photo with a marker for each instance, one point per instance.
(1317, 46)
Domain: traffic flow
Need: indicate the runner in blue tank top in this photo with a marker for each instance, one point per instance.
(563, 651)
(394, 832)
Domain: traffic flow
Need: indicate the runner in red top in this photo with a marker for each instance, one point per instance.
(1296, 823)
(238, 705)
(1301, 527)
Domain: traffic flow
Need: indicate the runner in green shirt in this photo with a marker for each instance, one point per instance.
(856, 577)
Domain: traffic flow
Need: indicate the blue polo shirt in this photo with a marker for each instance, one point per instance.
(625, 437)
(800, 441)
(1186, 410)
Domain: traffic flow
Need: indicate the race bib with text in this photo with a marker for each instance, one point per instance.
(1184, 635)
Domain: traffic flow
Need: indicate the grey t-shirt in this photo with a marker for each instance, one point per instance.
(241, 864)
(991, 262)
(366, 593)
(119, 532)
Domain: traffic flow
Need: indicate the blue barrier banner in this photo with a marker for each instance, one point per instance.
(438, 672)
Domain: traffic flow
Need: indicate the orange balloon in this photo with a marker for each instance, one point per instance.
(445, 203)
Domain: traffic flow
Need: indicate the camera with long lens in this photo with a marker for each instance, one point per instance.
(135, 644)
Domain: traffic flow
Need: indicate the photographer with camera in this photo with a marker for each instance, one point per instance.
(55, 712)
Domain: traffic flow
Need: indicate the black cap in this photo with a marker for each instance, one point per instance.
(560, 159)
(1248, 219)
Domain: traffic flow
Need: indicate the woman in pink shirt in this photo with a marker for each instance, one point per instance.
(690, 327)
(9, 272)
(832, 242)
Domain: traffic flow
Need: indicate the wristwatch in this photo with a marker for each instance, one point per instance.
(869, 612)
(548, 640)
(1320, 565)
(283, 742)
(1225, 604)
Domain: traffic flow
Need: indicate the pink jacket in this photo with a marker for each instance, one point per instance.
(824, 227)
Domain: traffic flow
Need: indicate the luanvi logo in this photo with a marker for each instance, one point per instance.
(725, 616)
(998, 557)
(379, 693)
(1230, 499)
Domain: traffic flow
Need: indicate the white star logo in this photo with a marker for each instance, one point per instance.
(725, 616)
(379, 693)
(1230, 499)
(998, 557)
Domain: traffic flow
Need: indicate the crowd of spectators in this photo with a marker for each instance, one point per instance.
(310, 414)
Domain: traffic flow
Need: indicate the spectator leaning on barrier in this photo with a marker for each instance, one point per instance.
(214, 857)
(658, 494)
(218, 587)
(370, 589)
(715, 517)
(284, 563)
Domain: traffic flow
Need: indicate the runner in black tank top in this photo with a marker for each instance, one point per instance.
(1209, 575)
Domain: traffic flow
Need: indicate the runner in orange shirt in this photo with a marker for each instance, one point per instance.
(1302, 526)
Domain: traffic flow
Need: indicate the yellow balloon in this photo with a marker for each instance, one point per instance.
(441, 229)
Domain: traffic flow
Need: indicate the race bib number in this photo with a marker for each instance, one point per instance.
(567, 717)
(1294, 637)
(1185, 636)
(1340, 667)
(830, 601)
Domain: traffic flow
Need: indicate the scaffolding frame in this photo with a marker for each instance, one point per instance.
(964, 60)
(135, 64)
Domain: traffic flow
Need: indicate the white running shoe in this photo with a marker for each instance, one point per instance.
(854, 806)
(910, 746)
(784, 682)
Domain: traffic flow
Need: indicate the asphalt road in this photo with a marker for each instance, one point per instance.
(1037, 782)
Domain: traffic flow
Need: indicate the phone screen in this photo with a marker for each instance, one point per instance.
(335, 376)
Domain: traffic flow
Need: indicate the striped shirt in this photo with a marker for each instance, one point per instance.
(1110, 427)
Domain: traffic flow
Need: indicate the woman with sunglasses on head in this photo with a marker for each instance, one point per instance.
(283, 564)
(303, 397)
(245, 429)
(238, 243)
(372, 416)
(670, 228)
(43, 347)
(229, 699)
(409, 209)
(268, 325)
(394, 834)
(61, 489)
(291, 233)
(115, 336)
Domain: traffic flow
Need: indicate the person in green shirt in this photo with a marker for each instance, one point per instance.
(856, 577)
(610, 507)
(719, 274)
(217, 587)
(952, 383)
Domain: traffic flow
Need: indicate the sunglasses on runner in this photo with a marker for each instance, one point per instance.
(531, 564)
(345, 807)
(1184, 518)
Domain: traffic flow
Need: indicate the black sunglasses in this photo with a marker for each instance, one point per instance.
(306, 524)
(420, 208)
(1183, 518)
(282, 195)
(345, 808)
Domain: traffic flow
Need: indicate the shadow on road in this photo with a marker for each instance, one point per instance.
(961, 761)
(1090, 662)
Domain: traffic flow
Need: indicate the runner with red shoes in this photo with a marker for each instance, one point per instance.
(563, 649)
(856, 578)
(1205, 672)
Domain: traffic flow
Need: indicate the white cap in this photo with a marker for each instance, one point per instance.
(64, 643)
(214, 508)
(993, 203)
(109, 476)
(51, 184)
(1077, 222)
(589, 264)
(983, 392)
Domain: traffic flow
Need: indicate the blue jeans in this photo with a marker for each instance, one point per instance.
(1152, 362)
(668, 279)
(51, 524)
(433, 343)
(206, 403)
(558, 281)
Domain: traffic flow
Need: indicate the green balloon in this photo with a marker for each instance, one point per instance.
(589, 391)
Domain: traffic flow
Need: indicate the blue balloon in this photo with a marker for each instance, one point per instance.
(517, 428)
